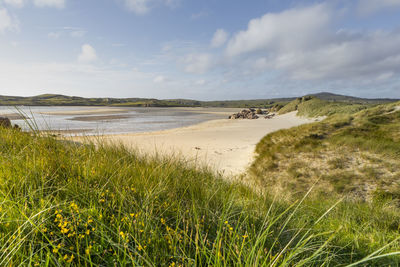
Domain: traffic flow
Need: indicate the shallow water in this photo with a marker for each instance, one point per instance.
(129, 120)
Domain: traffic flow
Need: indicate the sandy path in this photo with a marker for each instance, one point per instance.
(226, 145)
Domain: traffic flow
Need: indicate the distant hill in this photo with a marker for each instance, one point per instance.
(343, 98)
(63, 100)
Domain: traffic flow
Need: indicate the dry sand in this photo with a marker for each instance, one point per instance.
(225, 145)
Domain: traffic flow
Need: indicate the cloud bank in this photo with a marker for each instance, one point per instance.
(219, 38)
(303, 43)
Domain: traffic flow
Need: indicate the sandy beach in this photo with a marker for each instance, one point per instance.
(225, 145)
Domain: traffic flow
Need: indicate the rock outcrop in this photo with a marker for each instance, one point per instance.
(250, 114)
(6, 123)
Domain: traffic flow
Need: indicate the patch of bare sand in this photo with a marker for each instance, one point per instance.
(225, 145)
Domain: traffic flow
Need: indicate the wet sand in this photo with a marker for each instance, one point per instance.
(88, 111)
(14, 116)
(100, 118)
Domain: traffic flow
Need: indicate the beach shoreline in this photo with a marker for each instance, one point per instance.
(226, 146)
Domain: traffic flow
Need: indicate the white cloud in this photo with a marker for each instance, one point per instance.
(88, 54)
(302, 44)
(78, 33)
(49, 3)
(172, 3)
(24, 78)
(199, 15)
(289, 30)
(141, 7)
(160, 79)
(368, 55)
(15, 3)
(367, 7)
(200, 82)
(219, 38)
(54, 35)
(67, 31)
(197, 63)
(7, 22)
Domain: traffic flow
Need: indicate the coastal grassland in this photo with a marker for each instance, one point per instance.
(352, 155)
(68, 204)
(315, 107)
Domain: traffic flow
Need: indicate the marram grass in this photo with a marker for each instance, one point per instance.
(66, 204)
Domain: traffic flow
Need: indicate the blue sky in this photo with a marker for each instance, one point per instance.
(208, 49)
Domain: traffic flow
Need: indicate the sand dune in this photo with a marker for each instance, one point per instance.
(226, 145)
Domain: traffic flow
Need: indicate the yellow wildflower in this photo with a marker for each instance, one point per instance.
(122, 234)
(71, 258)
(87, 250)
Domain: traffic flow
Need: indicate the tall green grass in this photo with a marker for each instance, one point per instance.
(351, 155)
(69, 204)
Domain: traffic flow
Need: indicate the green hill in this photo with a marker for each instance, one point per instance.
(343, 98)
(62, 100)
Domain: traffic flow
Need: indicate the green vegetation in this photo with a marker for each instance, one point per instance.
(314, 107)
(321, 194)
(70, 204)
(352, 155)
(62, 100)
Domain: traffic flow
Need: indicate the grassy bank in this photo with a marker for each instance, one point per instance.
(68, 204)
(353, 152)
(352, 155)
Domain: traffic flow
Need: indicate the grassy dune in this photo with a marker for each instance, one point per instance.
(314, 107)
(68, 204)
(354, 152)
(352, 155)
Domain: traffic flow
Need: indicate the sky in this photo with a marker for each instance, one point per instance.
(205, 50)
